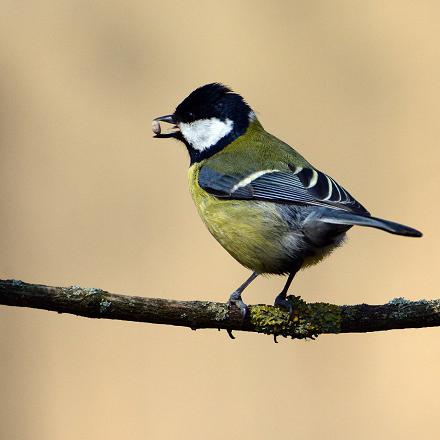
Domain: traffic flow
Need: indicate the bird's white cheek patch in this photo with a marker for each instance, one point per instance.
(205, 133)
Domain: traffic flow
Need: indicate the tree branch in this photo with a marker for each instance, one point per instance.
(309, 321)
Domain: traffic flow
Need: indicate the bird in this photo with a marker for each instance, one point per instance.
(271, 209)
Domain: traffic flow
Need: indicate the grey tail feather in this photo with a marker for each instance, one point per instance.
(347, 218)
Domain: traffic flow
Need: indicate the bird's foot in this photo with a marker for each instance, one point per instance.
(283, 303)
(235, 299)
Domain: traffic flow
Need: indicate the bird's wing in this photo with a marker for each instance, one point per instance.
(296, 184)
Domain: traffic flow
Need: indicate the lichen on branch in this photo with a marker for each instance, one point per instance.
(309, 319)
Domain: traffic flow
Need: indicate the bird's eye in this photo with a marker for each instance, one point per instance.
(191, 116)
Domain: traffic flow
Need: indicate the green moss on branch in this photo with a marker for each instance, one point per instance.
(309, 320)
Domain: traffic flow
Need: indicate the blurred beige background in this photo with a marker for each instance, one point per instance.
(89, 198)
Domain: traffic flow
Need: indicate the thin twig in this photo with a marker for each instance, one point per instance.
(309, 320)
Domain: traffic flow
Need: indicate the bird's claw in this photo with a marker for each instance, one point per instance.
(283, 303)
(235, 300)
(230, 333)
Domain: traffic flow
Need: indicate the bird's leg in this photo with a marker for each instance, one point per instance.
(281, 299)
(235, 298)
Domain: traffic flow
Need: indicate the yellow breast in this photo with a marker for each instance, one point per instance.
(252, 232)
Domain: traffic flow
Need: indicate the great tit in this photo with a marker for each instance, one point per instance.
(273, 211)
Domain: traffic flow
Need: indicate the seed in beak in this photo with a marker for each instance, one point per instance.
(155, 126)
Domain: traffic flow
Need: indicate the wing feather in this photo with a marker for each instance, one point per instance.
(303, 185)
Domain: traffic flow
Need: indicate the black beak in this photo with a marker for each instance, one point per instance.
(167, 118)
(170, 119)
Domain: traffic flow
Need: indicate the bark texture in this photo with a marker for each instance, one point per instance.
(309, 321)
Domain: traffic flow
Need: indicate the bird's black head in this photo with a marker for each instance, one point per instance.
(212, 101)
(209, 119)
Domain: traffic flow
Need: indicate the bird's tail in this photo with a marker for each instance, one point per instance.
(340, 217)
